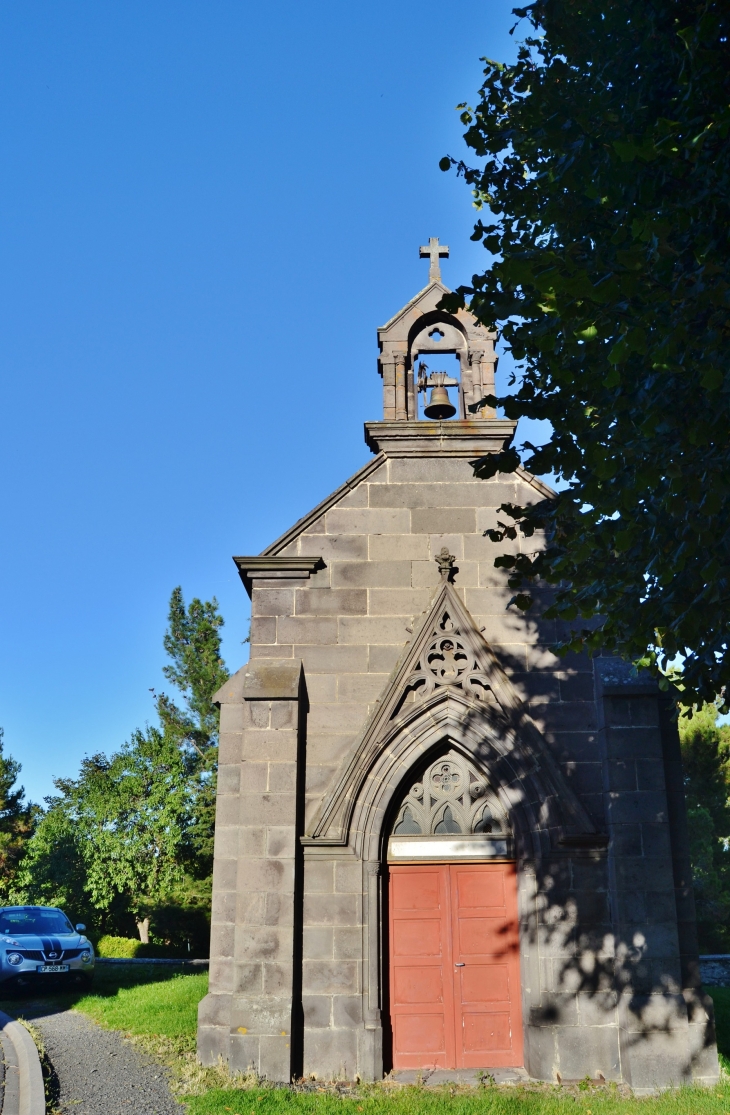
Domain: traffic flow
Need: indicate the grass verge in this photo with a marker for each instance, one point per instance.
(157, 1011)
(167, 1008)
(528, 1100)
(160, 1017)
(538, 1100)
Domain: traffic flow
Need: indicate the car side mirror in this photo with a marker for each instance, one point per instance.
(80, 927)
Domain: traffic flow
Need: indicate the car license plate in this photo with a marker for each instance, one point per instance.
(53, 968)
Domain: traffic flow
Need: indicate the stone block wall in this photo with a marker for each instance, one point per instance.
(332, 966)
(252, 1015)
(666, 1029)
(607, 949)
(349, 622)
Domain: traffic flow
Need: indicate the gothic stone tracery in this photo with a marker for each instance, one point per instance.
(450, 659)
(451, 797)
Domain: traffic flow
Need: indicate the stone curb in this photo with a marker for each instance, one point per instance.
(25, 1093)
(151, 960)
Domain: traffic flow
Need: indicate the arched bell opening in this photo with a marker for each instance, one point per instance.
(438, 367)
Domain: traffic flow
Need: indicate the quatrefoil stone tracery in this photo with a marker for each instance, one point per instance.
(448, 660)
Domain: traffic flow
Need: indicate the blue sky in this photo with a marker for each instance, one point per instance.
(205, 212)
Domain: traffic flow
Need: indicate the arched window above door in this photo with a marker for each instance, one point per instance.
(451, 797)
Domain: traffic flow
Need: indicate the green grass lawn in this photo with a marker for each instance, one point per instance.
(168, 1008)
(135, 999)
(157, 1009)
(482, 1101)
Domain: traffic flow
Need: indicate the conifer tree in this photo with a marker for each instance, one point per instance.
(197, 670)
(16, 820)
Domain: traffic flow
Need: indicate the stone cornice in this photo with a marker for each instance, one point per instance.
(275, 568)
(470, 438)
(534, 481)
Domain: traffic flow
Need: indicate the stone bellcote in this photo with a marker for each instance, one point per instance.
(410, 345)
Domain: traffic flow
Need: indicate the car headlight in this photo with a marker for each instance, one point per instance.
(85, 956)
(15, 958)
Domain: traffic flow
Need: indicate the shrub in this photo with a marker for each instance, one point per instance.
(119, 948)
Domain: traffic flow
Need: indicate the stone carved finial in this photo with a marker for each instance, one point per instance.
(445, 562)
(433, 250)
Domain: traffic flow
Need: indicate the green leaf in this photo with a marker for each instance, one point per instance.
(588, 334)
(619, 352)
(625, 150)
(712, 379)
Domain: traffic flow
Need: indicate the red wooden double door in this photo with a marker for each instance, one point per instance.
(455, 966)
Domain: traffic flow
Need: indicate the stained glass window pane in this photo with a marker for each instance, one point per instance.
(484, 824)
(447, 823)
(407, 826)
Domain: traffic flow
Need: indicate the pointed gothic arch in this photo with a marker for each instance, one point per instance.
(449, 688)
(440, 698)
(525, 789)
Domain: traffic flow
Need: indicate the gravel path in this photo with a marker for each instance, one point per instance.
(99, 1073)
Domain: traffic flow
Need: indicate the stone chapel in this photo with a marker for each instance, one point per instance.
(440, 848)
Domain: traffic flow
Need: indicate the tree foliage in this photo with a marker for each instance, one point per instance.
(17, 818)
(197, 670)
(604, 185)
(129, 816)
(706, 762)
(132, 835)
(193, 644)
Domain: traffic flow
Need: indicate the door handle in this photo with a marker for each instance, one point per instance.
(458, 964)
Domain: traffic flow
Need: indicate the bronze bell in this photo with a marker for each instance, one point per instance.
(440, 405)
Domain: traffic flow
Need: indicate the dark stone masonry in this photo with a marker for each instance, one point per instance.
(438, 845)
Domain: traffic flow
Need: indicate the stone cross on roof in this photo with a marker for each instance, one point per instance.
(433, 250)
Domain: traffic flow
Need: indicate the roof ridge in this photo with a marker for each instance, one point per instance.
(412, 301)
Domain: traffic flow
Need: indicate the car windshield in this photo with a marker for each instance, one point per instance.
(37, 920)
